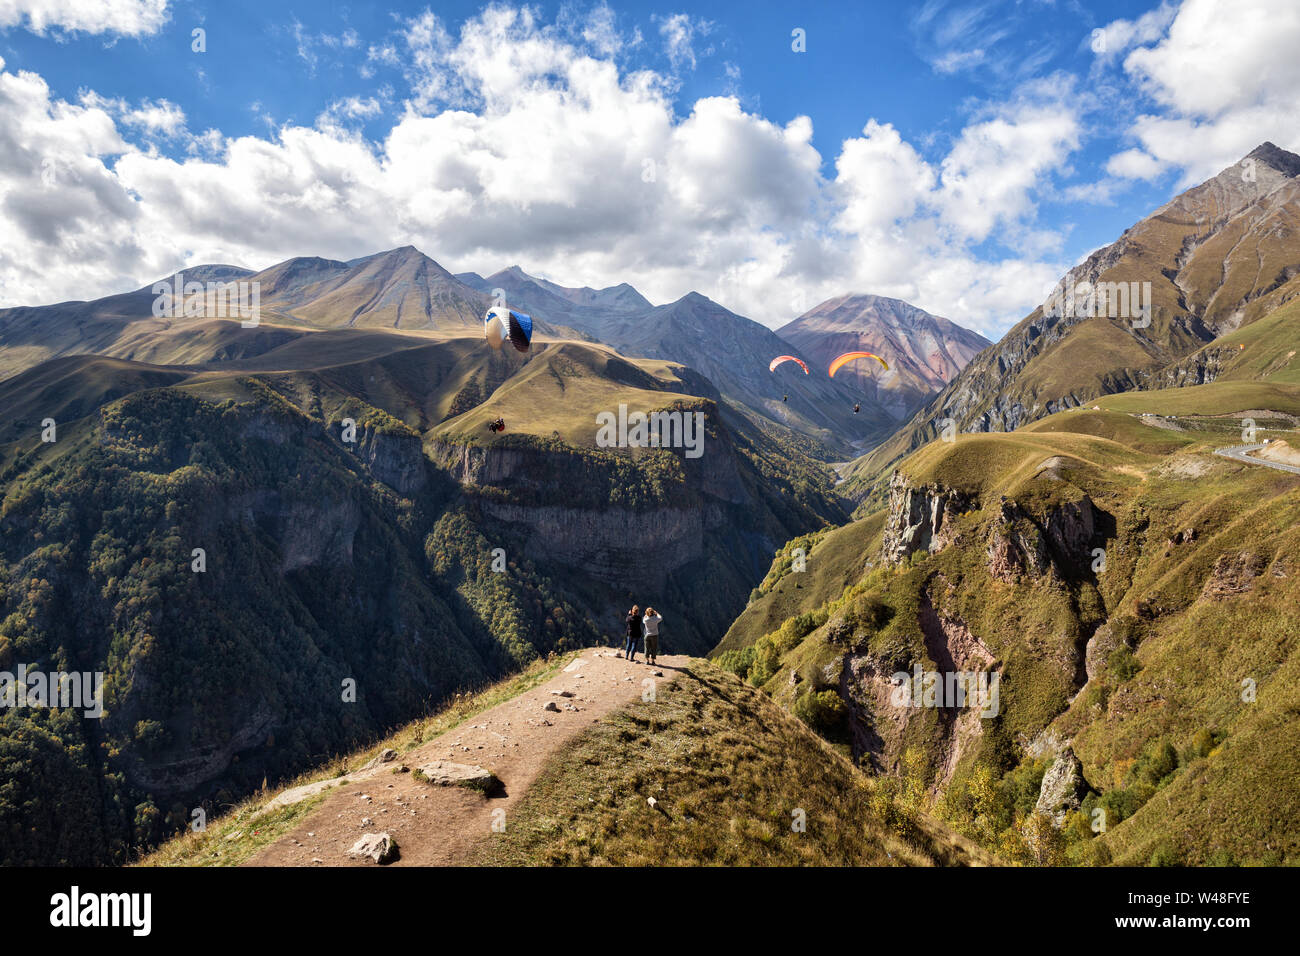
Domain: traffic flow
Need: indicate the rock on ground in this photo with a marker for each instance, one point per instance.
(378, 847)
(443, 773)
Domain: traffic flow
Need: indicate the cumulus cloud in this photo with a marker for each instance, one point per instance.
(1223, 78)
(157, 116)
(911, 228)
(122, 17)
(526, 142)
(1134, 164)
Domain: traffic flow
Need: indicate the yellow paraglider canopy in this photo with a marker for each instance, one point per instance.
(850, 356)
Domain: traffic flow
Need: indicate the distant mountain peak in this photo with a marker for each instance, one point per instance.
(619, 298)
(1284, 162)
(696, 297)
(924, 351)
(403, 258)
(207, 272)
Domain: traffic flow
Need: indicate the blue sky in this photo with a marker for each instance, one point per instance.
(957, 154)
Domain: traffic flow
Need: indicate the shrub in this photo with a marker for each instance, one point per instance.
(1119, 805)
(1157, 762)
(1202, 744)
(767, 661)
(1020, 787)
(1165, 855)
(1123, 664)
(738, 662)
(871, 612)
(823, 711)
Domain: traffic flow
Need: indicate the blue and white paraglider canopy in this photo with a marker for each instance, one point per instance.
(500, 324)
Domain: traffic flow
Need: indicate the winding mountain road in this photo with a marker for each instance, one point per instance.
(1242, 453)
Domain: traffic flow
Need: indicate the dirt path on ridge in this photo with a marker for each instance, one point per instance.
(440, 826)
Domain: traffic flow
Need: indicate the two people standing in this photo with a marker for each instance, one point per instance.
(637, 627)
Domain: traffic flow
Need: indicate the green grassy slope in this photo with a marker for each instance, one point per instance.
(1198, 594)
(731, 774)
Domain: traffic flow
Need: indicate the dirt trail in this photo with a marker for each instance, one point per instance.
(439, 826)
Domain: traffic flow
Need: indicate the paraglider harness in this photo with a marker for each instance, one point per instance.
(497, 426)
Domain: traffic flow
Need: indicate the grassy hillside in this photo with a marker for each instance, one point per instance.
(71, 388)
(1168, 669)
(730, 773)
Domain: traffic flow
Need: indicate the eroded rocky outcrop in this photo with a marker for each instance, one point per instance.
(1016, 545)
(950, 643)
(1063, 787)
(1023, 545)
(1233, 573)
(394, 458)
(882, 710)
(921, 518)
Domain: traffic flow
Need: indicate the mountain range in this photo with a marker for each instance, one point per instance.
(1211, 261)
(231, 523)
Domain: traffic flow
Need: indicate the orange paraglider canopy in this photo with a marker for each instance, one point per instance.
(850, 356)
(787, 358)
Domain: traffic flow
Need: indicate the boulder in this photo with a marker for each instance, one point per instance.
(387, 756)
(444, 773)
(377, 847)
(1101, 645)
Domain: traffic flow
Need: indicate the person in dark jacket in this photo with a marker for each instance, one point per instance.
(633, 633)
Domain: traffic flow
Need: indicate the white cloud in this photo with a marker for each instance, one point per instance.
(1224, 77)
(996, 166)
(680, 32)
(1135, 164)
(157, 116)
(911, 227)
(1119, 35)
(340, 113)
(123, 17)
(565, 163)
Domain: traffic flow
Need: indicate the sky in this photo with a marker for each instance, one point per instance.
(957, 154)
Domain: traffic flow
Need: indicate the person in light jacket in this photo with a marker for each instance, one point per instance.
(633, 632)
(651, 623)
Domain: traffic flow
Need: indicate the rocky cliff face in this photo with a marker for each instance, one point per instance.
(394, 457)
(696, 534)
(613, 545)
(1023, 545)
(920, 518)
